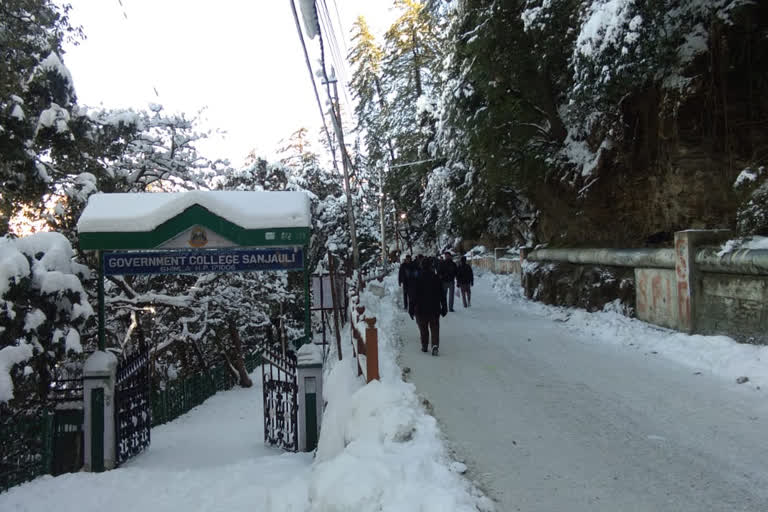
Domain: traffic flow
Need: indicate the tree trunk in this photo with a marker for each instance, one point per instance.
(238, 360)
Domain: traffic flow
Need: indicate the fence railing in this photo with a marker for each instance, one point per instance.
(68, 439)
(694, 287)
(25, 449)
(503, 261)
(365, 338)
(181, 395)
(52, 442)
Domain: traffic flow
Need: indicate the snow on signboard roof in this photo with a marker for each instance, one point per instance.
(140, 212)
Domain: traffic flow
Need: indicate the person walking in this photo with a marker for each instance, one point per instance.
(446, 270)
(466, 280)
(428, 306)
(404, 278)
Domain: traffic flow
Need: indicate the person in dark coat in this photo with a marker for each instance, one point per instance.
(404, 278)
(446, 270)
(413, 277)
(465, 279)
(428, 305)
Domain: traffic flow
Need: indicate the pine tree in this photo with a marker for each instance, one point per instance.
(36, 99)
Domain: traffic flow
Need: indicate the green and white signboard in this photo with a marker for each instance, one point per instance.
(198, 231)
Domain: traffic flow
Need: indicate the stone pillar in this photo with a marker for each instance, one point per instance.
(309, 374)
(99, 374)
(688, 282)
(524, 252)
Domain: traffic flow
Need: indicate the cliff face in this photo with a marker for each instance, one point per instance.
(686, 139)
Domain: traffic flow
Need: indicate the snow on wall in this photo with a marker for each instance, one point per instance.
(130, 213)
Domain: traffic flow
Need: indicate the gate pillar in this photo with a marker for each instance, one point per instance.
(309, 374)
(99, 400)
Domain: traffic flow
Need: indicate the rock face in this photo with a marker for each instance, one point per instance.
(582, 286)
(683, 145)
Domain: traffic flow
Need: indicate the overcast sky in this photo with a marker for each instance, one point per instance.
(241, 60)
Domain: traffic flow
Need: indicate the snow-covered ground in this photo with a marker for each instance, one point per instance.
(557, 409)
(551, 409)
(212, 458)
(379, 451)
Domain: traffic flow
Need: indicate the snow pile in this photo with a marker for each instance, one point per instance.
(477, 251)
(378, 443)
(753, 242)
(748, 176)
(718, 355)
(131, 212)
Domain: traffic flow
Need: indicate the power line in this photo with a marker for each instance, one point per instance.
(405, 164)
(345, 159)
(312, 77)
(339, 59)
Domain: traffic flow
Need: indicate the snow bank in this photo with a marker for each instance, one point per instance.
(378, 443)
(753, 242)
(717, 355)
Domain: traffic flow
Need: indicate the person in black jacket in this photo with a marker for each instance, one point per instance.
(465, 279)
(404, 278)
(446, 270)
(428, 305)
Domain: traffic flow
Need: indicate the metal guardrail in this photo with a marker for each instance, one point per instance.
(741, 261)
(646, 258)
(708, 259)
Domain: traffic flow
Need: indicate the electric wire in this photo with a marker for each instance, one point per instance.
(339, 59)
(312, 77)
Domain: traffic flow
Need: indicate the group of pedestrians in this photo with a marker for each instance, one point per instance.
(429, 284)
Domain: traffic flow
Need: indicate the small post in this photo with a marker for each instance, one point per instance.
(99, 376)
(686, 244)
(102, 335)
(307, 306)
(336, 303)
(524, 252)
(309, 373)
(371, 350)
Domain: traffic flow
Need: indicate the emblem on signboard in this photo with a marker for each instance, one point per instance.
(197, 237)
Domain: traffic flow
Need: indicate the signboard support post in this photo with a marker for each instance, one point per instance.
(307, 306)
(102, 334)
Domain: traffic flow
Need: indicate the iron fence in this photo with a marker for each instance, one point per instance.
(181, 395)
(133, 412)
(280, 397)
(25, 449)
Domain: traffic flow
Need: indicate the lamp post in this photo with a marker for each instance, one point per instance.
(407, 239)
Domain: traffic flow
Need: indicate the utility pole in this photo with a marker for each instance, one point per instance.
(346, 164)
(381, 217)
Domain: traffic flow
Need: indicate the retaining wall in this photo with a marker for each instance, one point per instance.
(693, 287)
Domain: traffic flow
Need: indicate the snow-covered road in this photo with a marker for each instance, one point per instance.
(550, 420)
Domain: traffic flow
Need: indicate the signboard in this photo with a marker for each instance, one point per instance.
(321, 291)
(197, 237)
(220, 260)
